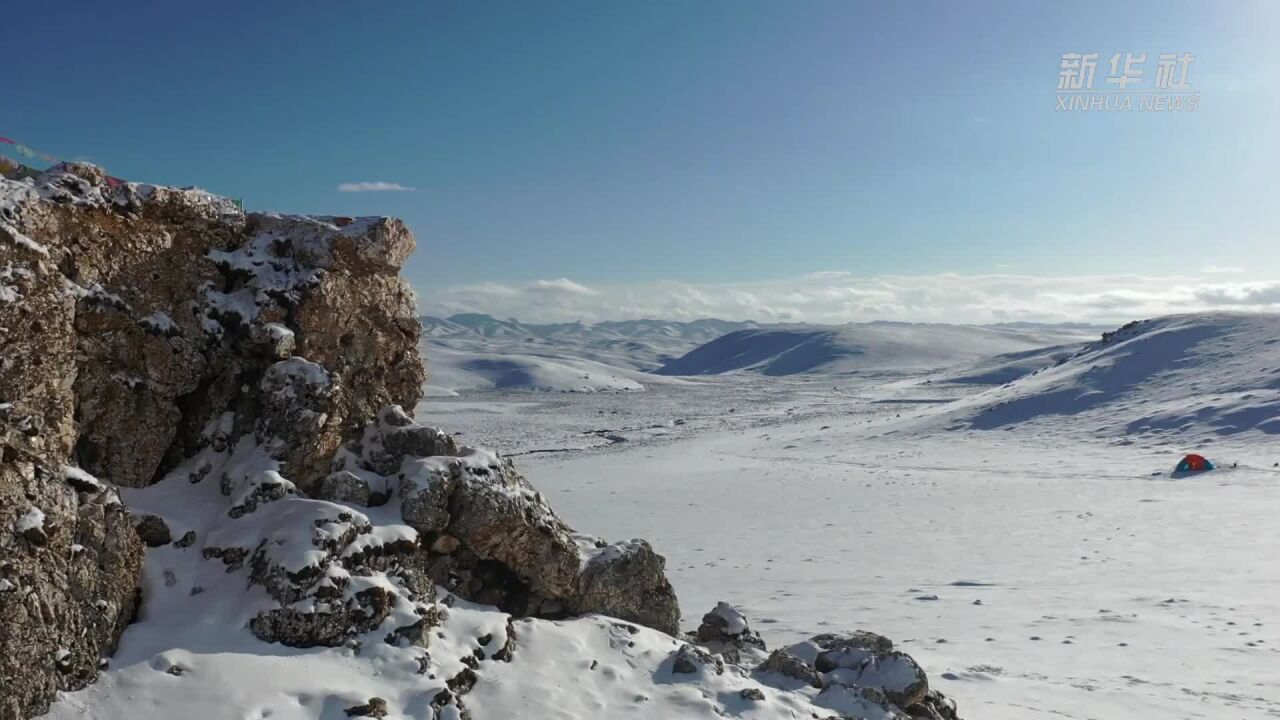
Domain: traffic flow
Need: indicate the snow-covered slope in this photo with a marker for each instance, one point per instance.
(1191, 376)
(1007, 367)
(637, 344)
(877, 346)
(475, 351)
(454, 369)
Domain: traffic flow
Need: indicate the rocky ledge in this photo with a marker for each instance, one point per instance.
(228, 390)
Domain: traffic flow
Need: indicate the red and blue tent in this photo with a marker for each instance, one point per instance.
(1193, 463)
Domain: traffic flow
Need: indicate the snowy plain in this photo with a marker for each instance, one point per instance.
(1024, 540)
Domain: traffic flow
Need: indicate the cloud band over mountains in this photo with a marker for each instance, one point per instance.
(836, 297)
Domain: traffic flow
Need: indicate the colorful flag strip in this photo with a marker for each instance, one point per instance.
(28, 152)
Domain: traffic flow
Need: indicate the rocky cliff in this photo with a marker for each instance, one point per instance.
(226, 390)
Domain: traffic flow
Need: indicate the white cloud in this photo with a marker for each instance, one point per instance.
(560, 285)
(377, 186)
(839, 298)
(1237, 294)
(1221, 269)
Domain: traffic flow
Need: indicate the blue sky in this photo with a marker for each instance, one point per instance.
(722, 147)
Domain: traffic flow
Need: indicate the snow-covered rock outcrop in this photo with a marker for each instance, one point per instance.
(226, 390)
(152, 333)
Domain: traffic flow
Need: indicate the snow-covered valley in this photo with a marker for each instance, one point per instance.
(1046, 565)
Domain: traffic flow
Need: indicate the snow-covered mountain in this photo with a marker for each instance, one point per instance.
(1184, 376)
(473, 367)
(475, 351)
(599, 335)
(876, 346)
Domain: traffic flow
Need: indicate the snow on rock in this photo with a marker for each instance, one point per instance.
(586, 668)
(725, 630)
(10, 274)
(32, 519)
(586, 665)
(266, 271)
(627, 579)
(844, 665)
(30, 525)
(732, 622)
(117, 355)
(160, 323)
(497, 540)
(307, 607)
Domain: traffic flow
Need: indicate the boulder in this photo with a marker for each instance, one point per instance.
(724, 630)
(752, 694)
(492, 537)
(345, 486)
(934, 706)
(153, 531)
(626, 580)
(785, 662)
(894, 674)
(854, 701)
(861, 660)
(375, 708)
(691, 659)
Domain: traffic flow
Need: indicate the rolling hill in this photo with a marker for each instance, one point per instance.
(1185, 375)
(877, 346)
(476, 351)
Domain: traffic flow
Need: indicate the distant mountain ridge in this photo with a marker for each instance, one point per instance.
(482, 325)
(474, 350)
(856, 347)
